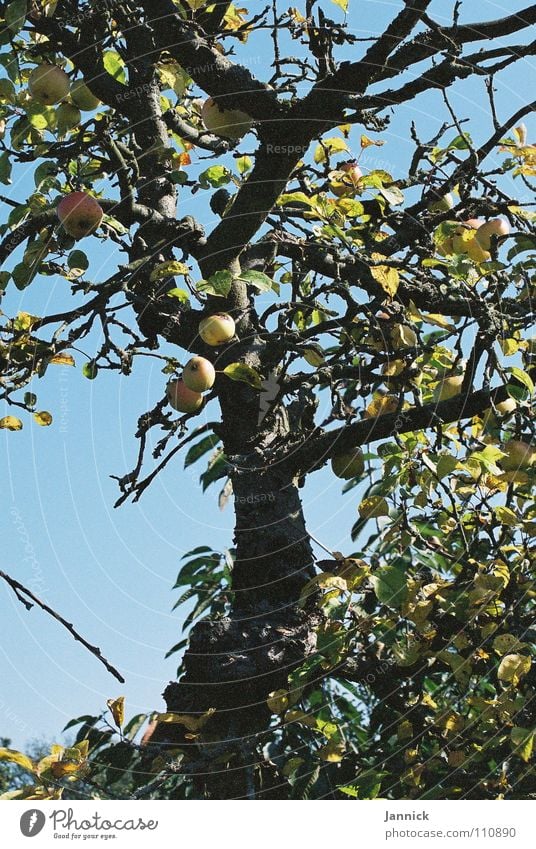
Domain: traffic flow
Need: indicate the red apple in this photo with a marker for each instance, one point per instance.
(80, 214)
(350, 465)
(48, 84)
(229, 123)
(183, 399)
(217, 329)
(199, 374)
(346, 179)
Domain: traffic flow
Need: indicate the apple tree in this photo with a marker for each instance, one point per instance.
(338, 312)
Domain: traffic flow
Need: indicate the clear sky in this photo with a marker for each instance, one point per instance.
(110, 571)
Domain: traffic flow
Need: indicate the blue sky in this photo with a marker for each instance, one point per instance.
(110, 571)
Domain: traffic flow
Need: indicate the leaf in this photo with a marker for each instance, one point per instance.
(388, 278)
(18, 758)
(523, 742)
(15, 15)
(10, 423)
(43, 418)
(171, 268)
(329, 146)
(5, 168)
(342, 4)
(522, 377)
(117, 709)
(115, 66)
(180, 294)
(197, 451)
(62, 360)
(215, 176)
(191, 722)
(278, 701)
(218, 284)
(373, 507)
(244, 373)
(513, 667)
(445, 465)
(389, 583)
(333, 752)
(78, 260)
(244, 164)
(260, 281)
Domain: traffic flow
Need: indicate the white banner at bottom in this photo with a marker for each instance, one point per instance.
(243, 825)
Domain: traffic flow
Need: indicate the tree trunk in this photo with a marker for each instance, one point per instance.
(233, 663)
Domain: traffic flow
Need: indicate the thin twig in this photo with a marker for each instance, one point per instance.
(20, 590)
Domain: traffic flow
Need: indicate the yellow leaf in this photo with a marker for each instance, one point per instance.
(332, 752)
(513, 667)
(329, 146)
(342, 4)
(43, 418)
(18, 758)
(523, 742)
(278, 701)
(366, 142)
(10, 423)
(386, 277)
(373, 507)
(62, 360)
(171, 268)
(190, 721)
(117, 709)
(381, 406)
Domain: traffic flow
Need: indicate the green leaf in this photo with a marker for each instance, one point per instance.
(522, 377)
(180, 294)
(78, 260)
(115, 66)
(171, 268)
(244, 373)
(523, 742)
(15, 15)
(389, 583)
(30, 399)
(244, 164)
(260, 281)
(218, 284)
(215, 176)
(23, 275)
(445, 465)
(5, 168)
(197, 451)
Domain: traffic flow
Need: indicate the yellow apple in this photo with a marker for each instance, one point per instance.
(199, 374)
(217, 329)
(48, 84)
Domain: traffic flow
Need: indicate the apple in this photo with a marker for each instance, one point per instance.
(346, 178)
(495, 228)
(443, 204)
(503, 408)
(217, 329)
(80, 214)
(182, 399)
(448, 388)
(67, 117)
(48, 84)
(83, 98)
(519, 455)
(350, 465)
(199, 374)
(229, 123)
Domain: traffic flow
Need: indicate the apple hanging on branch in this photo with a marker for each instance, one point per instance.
(199, 374)
(80, 214)
(217, 329)
(182, 399)
(48, 84)
(228, 123)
